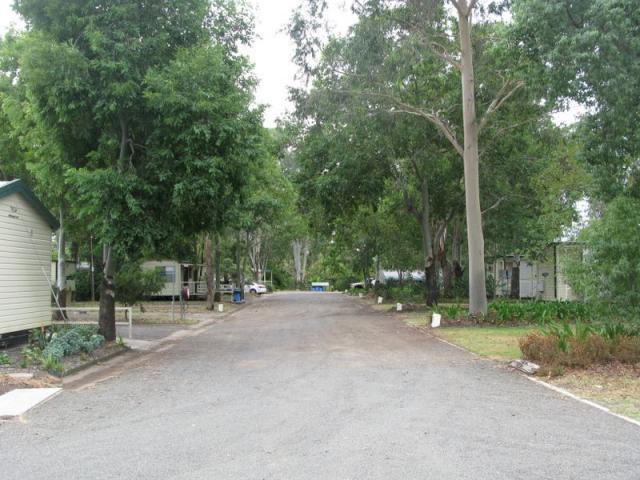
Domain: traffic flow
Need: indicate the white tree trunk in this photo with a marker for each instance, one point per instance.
(61, 280)
(475, 237)
(254, 240)
(300, 249)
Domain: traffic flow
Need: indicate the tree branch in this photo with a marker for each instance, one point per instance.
(436, 121)
(502, 96)
(495, 205)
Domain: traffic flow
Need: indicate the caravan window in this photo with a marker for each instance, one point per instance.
(168, 273)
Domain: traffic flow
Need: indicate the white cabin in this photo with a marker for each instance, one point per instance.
(543, 279)
(177, 275)
(26, 228)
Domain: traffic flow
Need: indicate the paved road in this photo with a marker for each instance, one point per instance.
(316, 386)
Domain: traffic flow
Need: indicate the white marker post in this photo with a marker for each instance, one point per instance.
(380, 300)
(398, 307)
(435, 320)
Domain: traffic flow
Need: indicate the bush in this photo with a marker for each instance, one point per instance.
(409, 292)
(581, 346)
(540, 348)
(61, 343)
(626, 349)
(4, 359)
(539, 312)
(134, 284)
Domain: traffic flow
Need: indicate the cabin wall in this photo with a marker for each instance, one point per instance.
(25, 266)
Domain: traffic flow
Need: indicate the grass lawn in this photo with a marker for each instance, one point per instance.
(498, 343)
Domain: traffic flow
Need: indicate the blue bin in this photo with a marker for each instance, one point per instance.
(237, 295)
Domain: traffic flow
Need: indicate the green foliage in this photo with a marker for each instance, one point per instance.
(4, 359)
(71, 341)
(408, 293)
(587, 51)
(539, 312)
(52, 365)
(609, 272)
(133, 284)
(48, 349)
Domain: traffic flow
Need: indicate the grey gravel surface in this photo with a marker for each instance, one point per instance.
(149, 331)
(316, 386)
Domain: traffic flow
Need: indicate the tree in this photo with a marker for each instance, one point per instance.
(610, 270)
(401, 60)
(92, 72)
(587, 52)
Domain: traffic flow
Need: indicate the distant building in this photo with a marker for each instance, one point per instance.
(544, 279)
(26, 228)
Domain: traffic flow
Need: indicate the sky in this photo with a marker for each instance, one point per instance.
(271, 52)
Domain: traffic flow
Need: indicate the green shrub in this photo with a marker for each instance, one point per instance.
(53, 346)
(539, 312)
(4, 359)
(133, 284)
(53, 366)
(31, 356)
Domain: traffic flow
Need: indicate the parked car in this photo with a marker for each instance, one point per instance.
(256, 288)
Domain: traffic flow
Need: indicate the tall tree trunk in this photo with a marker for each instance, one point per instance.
(515, 279)
(208, 259)
(475, 237)
(296, 247)
(238, 279)
(430, 271)
(456, 250)
(446, 266)
(254, 243)
(217, 295)
(300, 248)
(305, 258)
(61, 277)
(107, 313)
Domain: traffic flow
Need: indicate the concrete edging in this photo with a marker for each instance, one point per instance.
(95, 361)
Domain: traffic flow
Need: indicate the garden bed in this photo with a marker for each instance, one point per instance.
(41, 377)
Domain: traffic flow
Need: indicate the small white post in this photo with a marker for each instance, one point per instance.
(435, 320)
(130, 314)
(380, 300)
(398, 307)
(220, 307)
(360, 295)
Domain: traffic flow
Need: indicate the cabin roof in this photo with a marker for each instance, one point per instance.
(18, 186)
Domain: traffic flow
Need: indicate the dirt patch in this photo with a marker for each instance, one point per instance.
(614, 386)
(8, 383)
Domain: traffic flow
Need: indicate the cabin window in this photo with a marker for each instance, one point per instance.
(168, 273)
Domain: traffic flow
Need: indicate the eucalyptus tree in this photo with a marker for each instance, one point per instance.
(392, 37)
(141, 162)
(401, 73)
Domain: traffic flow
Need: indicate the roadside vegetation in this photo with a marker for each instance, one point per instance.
(59, 348)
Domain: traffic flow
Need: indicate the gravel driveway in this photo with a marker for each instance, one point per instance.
(315, 386)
